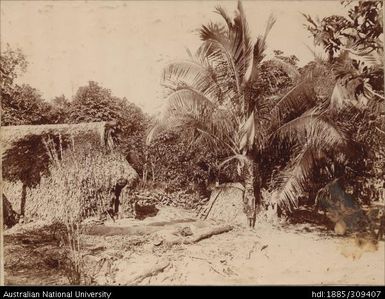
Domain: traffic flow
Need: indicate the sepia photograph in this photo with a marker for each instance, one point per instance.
(200, 142)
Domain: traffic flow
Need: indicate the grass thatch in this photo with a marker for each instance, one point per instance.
(12, 134)
(29, 151)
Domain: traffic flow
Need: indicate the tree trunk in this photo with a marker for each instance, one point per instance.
(257, 187)
(249, 199)
(23, 199)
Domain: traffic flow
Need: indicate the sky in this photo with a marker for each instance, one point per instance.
(124, 45)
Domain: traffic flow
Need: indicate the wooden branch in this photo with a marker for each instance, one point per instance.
(208, 233)
(171, 239)
(374, 93)
(156, 269)
(210, 206)
(381, 131)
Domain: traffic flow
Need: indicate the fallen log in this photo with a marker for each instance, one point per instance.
(158, 268)
(208, 233)
(172, 238)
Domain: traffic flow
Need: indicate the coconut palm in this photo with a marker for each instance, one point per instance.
(212, 97)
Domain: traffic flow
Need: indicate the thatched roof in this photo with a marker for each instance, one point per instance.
(12, 134)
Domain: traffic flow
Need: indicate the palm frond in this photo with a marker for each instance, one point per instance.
(183, 101)
(222, 57)
(214, 131)
(192, 113)
(189, 53)
(296, 177)
(186, 100)
(288, 68)
(239, 157)
(247, 133)
(222, 12)
(261, 134)
(241, 42)
(231, 45)
(260, 48)
(195, 75)
(314, 130)
(297, 100)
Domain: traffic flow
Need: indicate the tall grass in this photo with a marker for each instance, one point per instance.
(79, 185)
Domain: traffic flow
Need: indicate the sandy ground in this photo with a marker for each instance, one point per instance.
(130, 251)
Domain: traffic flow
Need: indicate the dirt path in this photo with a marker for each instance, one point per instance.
(132, 252)
(263, 257)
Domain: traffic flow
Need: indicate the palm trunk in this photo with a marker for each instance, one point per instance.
(249, 199)
(23, 199)
(257, 187)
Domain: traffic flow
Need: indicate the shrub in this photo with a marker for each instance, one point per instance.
(193, 169)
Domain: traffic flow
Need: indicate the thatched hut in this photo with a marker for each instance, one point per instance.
(99, 132)
(26, 154)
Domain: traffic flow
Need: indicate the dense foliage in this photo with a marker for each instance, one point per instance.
(95, 103)
(361, 29)
(20, 104)
(24, 105)
(227, 97)
(12, 64)
(179, 164)
(355, 50)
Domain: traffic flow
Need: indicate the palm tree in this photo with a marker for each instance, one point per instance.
(213, 98)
